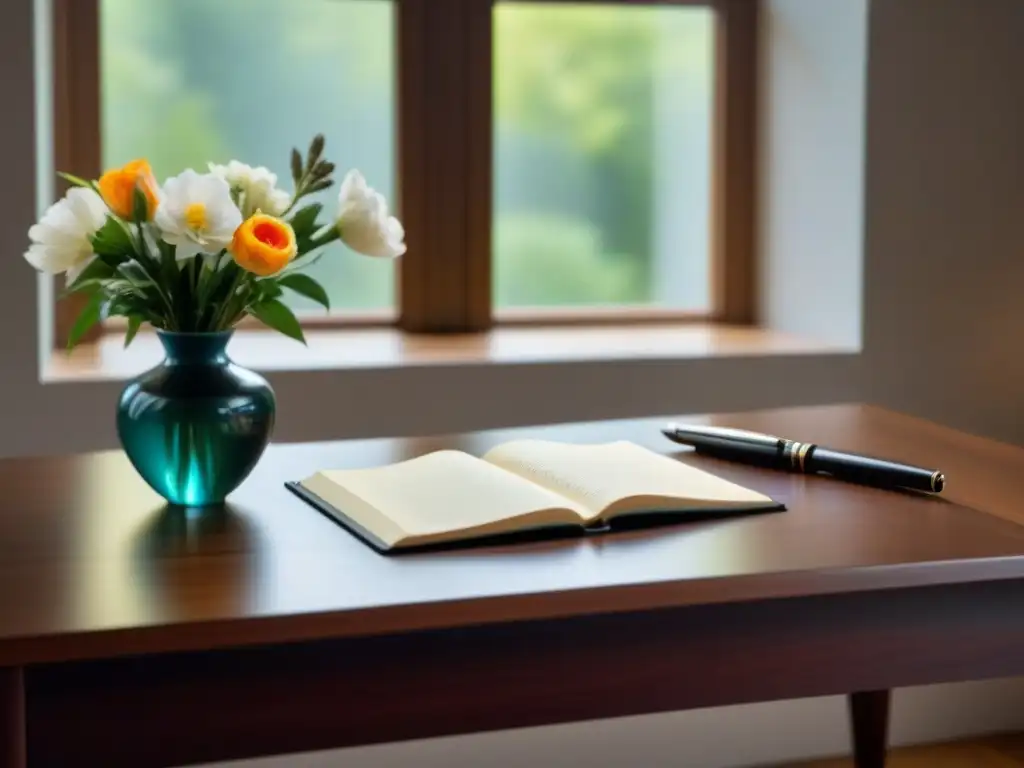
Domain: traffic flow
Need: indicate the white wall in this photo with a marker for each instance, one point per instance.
(943, 328)
(944, 286)
(812, 120)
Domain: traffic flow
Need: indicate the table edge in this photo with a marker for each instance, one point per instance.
(286, 629)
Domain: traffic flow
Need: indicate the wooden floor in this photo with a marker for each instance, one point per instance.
(990, 752)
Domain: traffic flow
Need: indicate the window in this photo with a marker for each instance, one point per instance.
(551, 161)
(602, 179)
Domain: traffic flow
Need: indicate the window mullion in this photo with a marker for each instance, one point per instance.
(444, 140)
(76, 122)
(734, 146)
(479, 65)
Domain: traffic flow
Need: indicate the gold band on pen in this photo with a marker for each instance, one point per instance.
(797, 452)
(805, 448)
(938, 481)
(791, 449)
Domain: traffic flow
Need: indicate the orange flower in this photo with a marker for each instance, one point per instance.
(118, 188)
(263, 245)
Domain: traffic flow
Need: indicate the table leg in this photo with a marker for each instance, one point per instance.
(869, 724)
(12, 718)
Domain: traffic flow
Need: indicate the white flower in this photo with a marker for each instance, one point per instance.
(363, 220)
(257, 185)
(60, 241)
(197, 214)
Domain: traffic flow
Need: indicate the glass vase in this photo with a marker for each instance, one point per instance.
(195, 425)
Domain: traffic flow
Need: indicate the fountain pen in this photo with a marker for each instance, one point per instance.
(780, 453)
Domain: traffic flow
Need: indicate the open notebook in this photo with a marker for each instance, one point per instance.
(521, 486)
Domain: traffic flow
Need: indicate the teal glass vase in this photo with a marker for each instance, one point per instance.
(195, 425)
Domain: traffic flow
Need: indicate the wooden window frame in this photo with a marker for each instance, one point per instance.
(76, 122)
(444, 148)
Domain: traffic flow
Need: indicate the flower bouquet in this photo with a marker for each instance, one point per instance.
(191, 259)
(205, 250)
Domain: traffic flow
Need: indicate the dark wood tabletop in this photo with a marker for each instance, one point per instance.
(95, 566)
(266, 628)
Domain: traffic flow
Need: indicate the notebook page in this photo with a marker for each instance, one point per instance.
(598, 476)
(449, 491)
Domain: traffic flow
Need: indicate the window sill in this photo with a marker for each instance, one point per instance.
(389, 348)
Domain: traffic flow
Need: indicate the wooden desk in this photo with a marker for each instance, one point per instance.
(132, 635)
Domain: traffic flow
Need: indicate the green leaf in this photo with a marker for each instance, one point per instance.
(115, 305)
(316, 149)
(168, 263)
(124, 302)
(306, 286)
(134, 273)
(97, 271)
(269, 289)
(214, 289)
(134, 323)
(113, 233)
(112, 240)
(323, 170)
(75, 181)
(129, 303)
(304, 220)
(86, 286)
(87, 318)
(319, 186)
(184, 302)
(196, 271)
(297, 171)
(112, 261)
(117, 285)
(140, 206)
(277, 316)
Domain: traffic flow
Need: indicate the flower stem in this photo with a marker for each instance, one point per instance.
(203, 283)
(145, 262)
(222, 314)
(300, 191)
(326, 238)
(193, 283)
